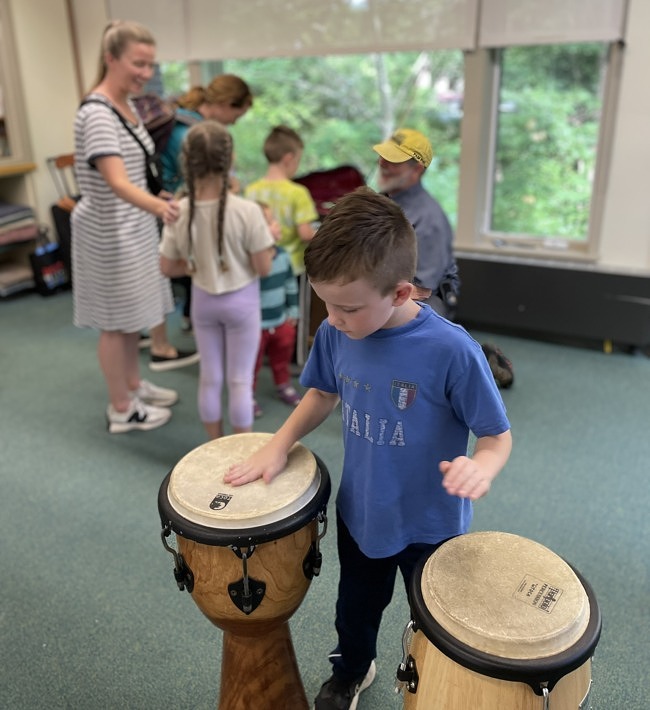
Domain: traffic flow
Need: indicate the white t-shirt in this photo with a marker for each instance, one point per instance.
(245, 232)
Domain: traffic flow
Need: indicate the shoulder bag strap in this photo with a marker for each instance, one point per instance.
(122, 119)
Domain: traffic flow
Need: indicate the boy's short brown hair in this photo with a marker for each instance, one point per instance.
(280, 141)
(365, 235)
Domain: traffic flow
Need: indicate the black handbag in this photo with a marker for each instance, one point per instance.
(152, 162)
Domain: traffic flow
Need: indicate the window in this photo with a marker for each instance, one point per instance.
(343, 104)
(547, 131)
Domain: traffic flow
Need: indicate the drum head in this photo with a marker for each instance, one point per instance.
(505, 595)
(201, 506)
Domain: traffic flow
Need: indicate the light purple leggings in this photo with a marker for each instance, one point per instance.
(227, 333)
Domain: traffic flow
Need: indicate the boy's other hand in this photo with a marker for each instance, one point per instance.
(462, 477)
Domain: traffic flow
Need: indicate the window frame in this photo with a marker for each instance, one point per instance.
(18, 160)
(479, 144)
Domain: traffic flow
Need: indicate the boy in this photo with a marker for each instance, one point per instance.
(412, 386)
(291, 203)
(293, 206)
(279, 300)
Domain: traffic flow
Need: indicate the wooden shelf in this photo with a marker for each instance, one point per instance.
(16, 169)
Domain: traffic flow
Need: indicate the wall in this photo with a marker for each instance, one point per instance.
(45, 62)
(46, 68)
(626, 219)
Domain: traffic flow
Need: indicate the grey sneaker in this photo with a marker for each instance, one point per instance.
(152, 394)
(335, 695)
(138, 416)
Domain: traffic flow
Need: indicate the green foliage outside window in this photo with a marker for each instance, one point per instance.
(547, 137)
(342, 105)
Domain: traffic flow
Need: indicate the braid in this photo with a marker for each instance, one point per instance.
(222, 202)
(192, 196)
(207, 154)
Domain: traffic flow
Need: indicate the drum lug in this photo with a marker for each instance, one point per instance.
(313, 561)
(407, 676)
(182, 573)
(247, 594)
(311, 565)
(407, 672)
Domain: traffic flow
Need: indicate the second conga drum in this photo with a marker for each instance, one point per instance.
(498, 621)
(247, 555)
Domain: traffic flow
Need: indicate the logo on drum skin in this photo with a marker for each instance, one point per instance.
(403, 394)
(220, 501)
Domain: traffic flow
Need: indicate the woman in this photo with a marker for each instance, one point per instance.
(118, 288)
(226, 99)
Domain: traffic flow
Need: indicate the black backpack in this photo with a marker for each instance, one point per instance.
(501, 367)
(159, 118)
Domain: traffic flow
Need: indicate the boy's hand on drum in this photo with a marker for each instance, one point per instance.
(464, 478)
(264, 464)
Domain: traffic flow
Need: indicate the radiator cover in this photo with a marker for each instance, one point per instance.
(554, 300)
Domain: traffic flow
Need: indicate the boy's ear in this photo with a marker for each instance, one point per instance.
(403, 292)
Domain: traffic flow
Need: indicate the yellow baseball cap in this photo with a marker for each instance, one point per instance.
(405, 144)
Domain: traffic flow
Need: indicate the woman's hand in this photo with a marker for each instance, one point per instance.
(170, 211)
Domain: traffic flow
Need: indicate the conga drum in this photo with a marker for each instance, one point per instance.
(247, 555)
(498, 622)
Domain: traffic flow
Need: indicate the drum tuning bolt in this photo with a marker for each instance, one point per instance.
(182, 573)
(247, 593)
(311, 565)
(407, 672)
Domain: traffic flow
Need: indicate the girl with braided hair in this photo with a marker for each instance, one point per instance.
(223, 242)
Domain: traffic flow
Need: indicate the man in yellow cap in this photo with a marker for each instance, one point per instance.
(403, 158)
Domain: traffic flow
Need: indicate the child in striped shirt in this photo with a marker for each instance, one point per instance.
(279, 299)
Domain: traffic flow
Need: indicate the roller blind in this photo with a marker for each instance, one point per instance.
(241, 29)
(505, 23)
(246, 29)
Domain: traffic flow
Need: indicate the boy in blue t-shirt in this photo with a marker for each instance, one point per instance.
(412, 387)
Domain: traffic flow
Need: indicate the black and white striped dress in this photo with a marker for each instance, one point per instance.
(117, 281)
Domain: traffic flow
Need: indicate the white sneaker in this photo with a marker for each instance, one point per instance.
(152, 394)
(138, 416)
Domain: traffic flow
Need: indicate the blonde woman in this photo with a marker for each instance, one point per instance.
(118, 288)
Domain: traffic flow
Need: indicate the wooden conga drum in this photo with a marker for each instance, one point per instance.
(499, 622)
(247, 555)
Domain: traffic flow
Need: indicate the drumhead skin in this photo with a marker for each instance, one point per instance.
(197, 503)
(505, 606)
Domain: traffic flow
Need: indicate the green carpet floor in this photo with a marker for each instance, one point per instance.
(90, 616)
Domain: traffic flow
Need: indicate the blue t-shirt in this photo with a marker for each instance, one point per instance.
(409, 398)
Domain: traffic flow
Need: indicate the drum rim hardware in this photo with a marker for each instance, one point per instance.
(182, 572)
(407, 673)
(541, 674)
(247, 593)
(223, 537)
(173, 521)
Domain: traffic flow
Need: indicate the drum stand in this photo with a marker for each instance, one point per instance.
(261, 672)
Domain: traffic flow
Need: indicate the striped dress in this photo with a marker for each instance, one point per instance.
(118, 285)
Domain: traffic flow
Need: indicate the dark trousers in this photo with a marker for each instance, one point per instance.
(185, 282)
(365, 590)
